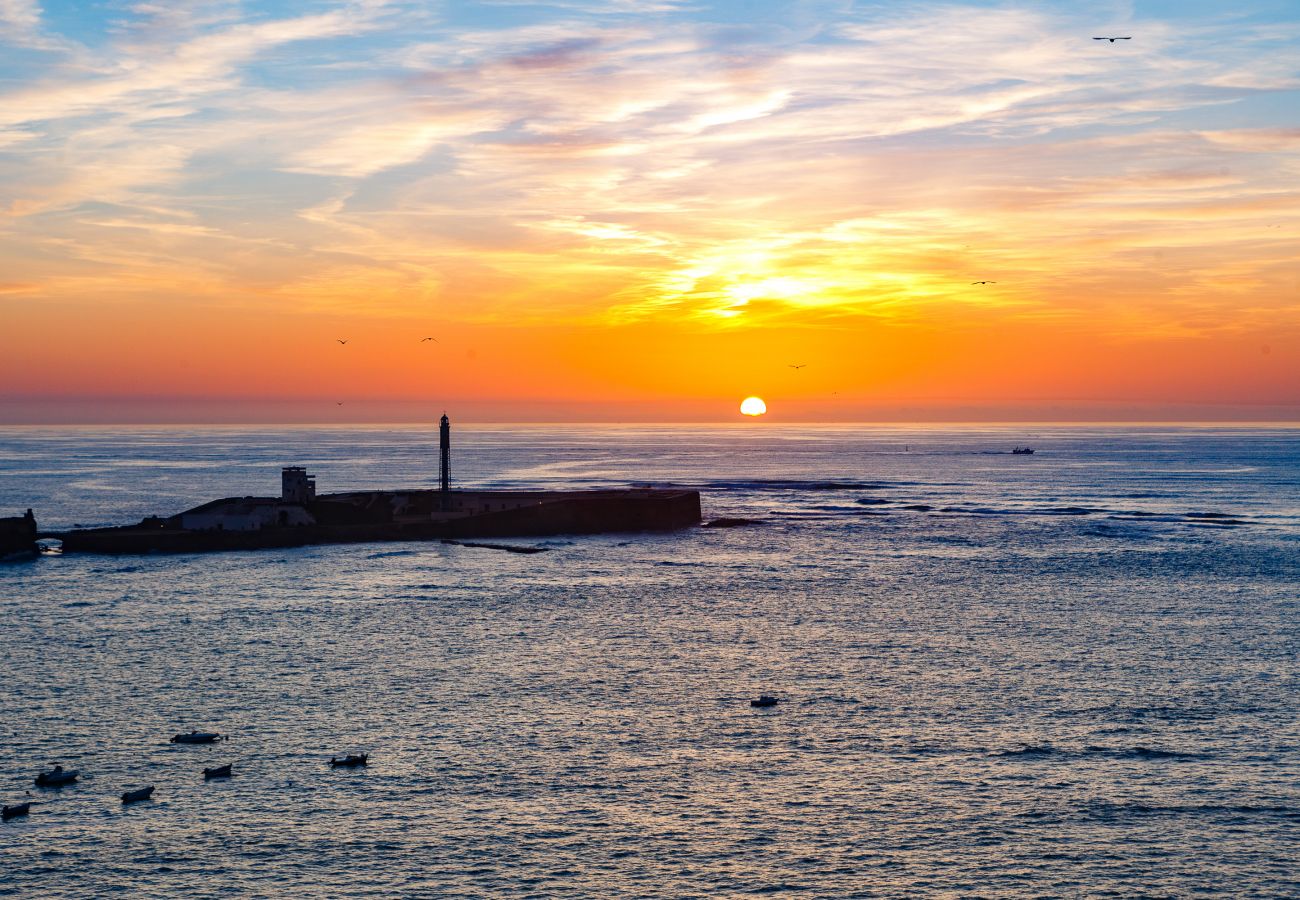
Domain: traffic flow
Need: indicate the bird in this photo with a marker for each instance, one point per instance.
(983, 282)
(340, 340)
(338, 403)
(435, 340)
(1113, 39)
(800, 366)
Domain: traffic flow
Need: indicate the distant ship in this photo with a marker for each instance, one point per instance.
(1023, 451)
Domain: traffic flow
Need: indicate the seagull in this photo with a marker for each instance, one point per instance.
(1113, 39)
(341, 341)
(983, 282)
(435, 340)
(800, 366)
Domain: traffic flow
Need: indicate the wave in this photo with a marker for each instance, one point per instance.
(1145, 810)
(788, 484)
(1028, 750)
(1029, 511)
(1141, 753)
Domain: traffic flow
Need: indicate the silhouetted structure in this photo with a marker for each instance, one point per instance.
(18, 535)
(299, 516)
(296, 486)
(444, 462)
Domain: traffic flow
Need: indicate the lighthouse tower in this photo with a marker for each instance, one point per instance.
(444, 465)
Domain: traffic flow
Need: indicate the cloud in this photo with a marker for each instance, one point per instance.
(642, 161)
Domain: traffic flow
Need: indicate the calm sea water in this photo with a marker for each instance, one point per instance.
(1067, 674)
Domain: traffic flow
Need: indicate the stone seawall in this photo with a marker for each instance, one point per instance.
(574, 512)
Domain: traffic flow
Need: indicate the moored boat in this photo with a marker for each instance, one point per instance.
(143, 793)
(764, 701)
(13, 812)
(351, 761)
(56, 777)
(196, 737)
(217, 772)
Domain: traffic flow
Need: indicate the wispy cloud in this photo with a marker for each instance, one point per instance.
(656, 160)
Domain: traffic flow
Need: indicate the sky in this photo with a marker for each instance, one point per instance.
(642, 211)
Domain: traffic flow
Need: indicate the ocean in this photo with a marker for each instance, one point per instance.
(1071, 674)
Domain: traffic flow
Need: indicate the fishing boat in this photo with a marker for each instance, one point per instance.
(764, 701)
(1023, 451)
(217, 772)
(136, 796)
(56, 777)
(13, 812)
(196, 737)
(351, 761)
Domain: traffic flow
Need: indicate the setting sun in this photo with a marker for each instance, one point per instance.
(753, 406)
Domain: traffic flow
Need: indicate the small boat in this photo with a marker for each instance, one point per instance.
(217, 772)
(136, 796)
(351, 761)
(196, 737)
(56, 777)
(13, 812)
(764, 701)
(1023, 451)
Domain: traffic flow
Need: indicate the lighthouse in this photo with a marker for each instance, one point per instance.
(444, 464)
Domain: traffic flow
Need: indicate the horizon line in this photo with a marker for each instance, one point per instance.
(740, 423)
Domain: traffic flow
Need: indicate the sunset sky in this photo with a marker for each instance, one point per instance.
(627, 210)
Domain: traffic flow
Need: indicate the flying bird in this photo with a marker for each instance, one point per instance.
(340, 340)
(435, 340)
(800, 366)
(1113, 39)
(983, 282)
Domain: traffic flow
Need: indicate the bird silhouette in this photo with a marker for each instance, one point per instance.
(800, 366)
(338, 402)
(435, 340)
(340, 340)
(1112, 39)
(983, 282)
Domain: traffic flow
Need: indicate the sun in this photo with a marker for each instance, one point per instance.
(753, 406)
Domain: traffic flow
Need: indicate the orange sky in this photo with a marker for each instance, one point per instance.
(641, 216)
